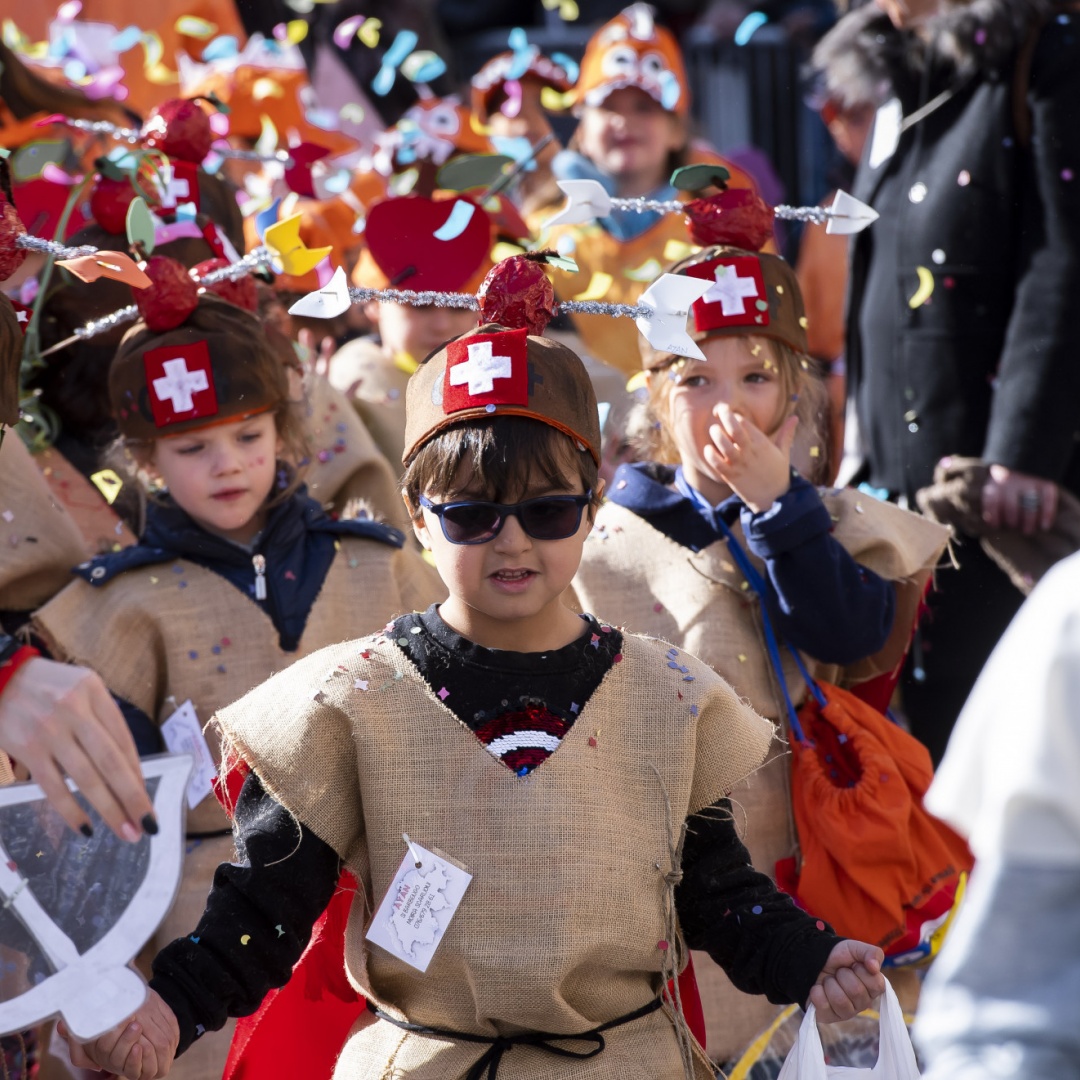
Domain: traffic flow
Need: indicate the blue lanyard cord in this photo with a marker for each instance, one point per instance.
(757, 583)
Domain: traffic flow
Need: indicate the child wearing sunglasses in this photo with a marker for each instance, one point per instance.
(844, 572)
(531, 799)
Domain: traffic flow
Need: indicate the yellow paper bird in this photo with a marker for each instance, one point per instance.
(291, 254)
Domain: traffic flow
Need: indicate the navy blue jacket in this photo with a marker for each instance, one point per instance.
(820, 599)
(298, 545)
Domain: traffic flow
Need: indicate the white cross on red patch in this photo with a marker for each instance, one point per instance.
(731, 291)
(481, 370)
(178, 384)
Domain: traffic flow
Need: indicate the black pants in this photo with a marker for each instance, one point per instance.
(969, 611)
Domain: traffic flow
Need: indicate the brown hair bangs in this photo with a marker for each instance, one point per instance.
(498, 459)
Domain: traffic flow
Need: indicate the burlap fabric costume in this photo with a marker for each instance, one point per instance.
(560, 926)
(700, 602)
(154, 643)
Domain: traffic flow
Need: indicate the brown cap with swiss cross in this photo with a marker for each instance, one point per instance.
(493, 371)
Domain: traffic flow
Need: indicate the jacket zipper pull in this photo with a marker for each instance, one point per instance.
(259, 562)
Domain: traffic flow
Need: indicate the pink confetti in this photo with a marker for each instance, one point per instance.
(658, 607)
(345, 31)
(820, 925)
(444, 693)
(662, 946)
(592, 741)
(1066, 175)
(219, 124)
(980, 36)
(512, 105)
(55, 175)
(70, 10)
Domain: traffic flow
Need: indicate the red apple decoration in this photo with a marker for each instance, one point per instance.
(171, 297)
(241, 292)
(180, 129)
(518, 294)
(109, 202)
(11, 227)
(737, 218)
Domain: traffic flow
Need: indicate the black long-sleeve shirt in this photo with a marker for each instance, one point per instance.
(261, 910)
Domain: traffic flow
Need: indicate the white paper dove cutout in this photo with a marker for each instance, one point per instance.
(331, 300)
(586, 201)
(670, 297)
(94, 989)
(847, 215)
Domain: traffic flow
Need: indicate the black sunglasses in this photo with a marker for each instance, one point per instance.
(551, 517)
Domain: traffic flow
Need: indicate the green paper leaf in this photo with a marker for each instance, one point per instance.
(110, 169)
(140, 225)
(472, 171)
(562, 262)
(699, 177)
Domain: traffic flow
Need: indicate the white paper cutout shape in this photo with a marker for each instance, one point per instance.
(670, 297)
(65, 947)
(848, 215)
(328, 302)
(586, 201)
(418, 906)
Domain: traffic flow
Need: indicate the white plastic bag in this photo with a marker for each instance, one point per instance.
(896, 1056)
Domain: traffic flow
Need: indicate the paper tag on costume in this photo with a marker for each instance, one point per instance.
(886, 135)
(182, 733)
(418, 906)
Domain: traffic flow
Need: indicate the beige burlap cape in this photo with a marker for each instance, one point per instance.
(559, 929)
(39, 539)
(700, 601)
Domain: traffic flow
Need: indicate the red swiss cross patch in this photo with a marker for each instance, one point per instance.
(486, 369)
(180, 383)
(737, 296)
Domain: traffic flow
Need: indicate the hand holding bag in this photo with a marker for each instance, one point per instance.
(896, 1056)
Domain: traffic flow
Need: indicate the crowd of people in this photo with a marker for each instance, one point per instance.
(331, 449)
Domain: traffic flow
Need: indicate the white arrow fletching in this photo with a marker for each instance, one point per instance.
(587, 201)
(848, 215)
(331, 300)
(670, 297)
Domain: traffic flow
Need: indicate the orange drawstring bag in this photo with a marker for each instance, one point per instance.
(874, 862)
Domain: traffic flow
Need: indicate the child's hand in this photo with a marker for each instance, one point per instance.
(755, 467)
(850, 980)
(141, 1048)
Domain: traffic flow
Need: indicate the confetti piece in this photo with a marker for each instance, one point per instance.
(352, 113)
(8, 516)
(369, 32)
(598, 286)
(193, 26)
(345, 31)
(925, 290)
(662, 946)
(592, 741)
(108, 483)
(444, 693)
(647, 271)
(245, 938)
(360, 684)
(280, 932)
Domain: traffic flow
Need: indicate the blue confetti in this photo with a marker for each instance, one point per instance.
(221, 48)
(128, 38)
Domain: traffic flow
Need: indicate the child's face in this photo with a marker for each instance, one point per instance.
(417, 331)
(222, 475)
(505, 591)
(630, 137)
(733, 376)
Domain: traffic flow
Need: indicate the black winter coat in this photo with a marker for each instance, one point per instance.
(989, 364)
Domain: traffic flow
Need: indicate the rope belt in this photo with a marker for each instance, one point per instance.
(497, 1045)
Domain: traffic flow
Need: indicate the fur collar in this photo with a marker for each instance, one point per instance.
(864, 58)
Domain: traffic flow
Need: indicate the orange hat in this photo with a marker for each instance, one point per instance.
(632, 50)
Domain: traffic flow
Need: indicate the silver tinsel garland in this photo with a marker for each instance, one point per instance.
(53, 247)
(468, 302)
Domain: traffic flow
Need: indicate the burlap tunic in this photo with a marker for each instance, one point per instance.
(40, 541)
(700, 601)
(157, 644)
(559, 929)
